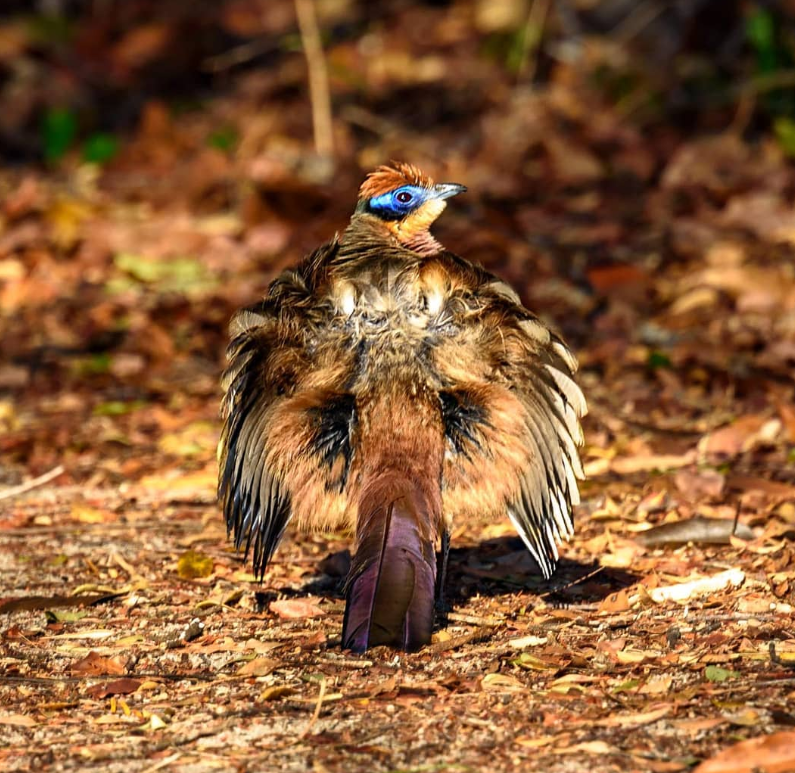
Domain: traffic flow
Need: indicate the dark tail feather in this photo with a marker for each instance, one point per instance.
(390, 593)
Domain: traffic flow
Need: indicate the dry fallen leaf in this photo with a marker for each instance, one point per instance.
(635, 720)
(258, 667)
(192, 564)
(95, 664)
(18, 720)
(771, 753)
(292, 609)
(124, 686)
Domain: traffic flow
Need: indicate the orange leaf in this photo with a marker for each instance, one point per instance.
(291, 609)
(772, 753)
(94, 665)
(615, 602)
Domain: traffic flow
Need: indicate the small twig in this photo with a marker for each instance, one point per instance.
(460, 617)
(134, 575)
(238, 55)
(319, 94)
(346, 662)
(15, 491)
(640, 17)
(318, 708)
(736, 517)
(781, 79)
(573, 583)
(479, 634)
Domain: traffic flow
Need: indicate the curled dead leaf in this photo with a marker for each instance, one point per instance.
(772, 753)
(293, 609)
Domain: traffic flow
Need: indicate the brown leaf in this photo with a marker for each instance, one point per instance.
(258, 667)
(615, 602)
(635, 720)
(292, 609)
(770, 487)
(696, 485)
(18, 720)
(742, 435)
(604, 279)
(124, 686)
(141, 45)
(94, 664)
(626, 465)
(705, 531)
(772, 753)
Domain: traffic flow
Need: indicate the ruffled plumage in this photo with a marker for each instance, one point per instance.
(372, 362)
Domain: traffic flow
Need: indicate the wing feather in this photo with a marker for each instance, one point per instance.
(540, 374)
(255, 504)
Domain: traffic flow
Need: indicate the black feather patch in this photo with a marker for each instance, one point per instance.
(256, 507)
(335, 422)
(461, 416)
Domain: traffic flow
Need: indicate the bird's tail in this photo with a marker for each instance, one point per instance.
(390, 591)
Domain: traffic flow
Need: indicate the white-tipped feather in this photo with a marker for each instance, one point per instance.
(535, 330)
(563, 352)
(504, 290)
(570, 390)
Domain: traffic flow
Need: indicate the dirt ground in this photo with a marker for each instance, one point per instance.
(134, 639)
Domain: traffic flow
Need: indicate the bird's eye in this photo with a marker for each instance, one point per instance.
(404, 197)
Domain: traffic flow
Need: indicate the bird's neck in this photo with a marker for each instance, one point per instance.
(366, 230)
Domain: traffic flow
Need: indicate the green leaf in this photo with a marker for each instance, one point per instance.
(718, 674)
(100, 148)
(192, 564)
(65, 615)
(784, 129)
(169, 275)
(117, 407)
(532, 663)
(50, 29)
(224, 139)
(94, 365)
(658, 359)
(760, 29)
(630, 684)
(58, 130)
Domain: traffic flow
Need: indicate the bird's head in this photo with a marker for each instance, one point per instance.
(407, 202)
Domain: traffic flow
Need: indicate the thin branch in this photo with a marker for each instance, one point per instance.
(318, 707)
(319, 94)
(531, 38)
(238, 55)
(478, 635)
(15, 491)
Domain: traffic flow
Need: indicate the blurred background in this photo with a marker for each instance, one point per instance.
(629, 166)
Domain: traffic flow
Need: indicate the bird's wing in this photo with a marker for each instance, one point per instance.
(269, 342)
(512, 414)
(255, 504)
(540, 372)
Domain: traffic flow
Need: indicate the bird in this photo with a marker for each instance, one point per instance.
(388, 387)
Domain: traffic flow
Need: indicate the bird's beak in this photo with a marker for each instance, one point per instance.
(447, 190)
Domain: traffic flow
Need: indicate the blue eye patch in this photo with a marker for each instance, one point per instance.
(398, 203)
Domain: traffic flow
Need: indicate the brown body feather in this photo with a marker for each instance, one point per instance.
(373, 359)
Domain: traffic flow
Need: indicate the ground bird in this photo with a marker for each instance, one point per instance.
(391, 387)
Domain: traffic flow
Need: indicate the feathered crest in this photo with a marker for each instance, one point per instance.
(387, 178)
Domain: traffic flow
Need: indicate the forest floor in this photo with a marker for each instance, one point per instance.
(134, 639)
